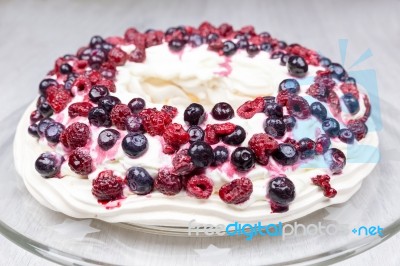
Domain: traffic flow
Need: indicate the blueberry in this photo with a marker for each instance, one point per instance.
(96, 58)
(222, 111)
(319, 111)
(95, 40)
(108, 102)
(335, 159)
(44, 84)
(107, 139)
(290, 85)
(242, 44)
(134, 145)
(264, 35)
(273, 109)
(346, 136)
(212, 37)
(306, 148)
(331, 127)
(290, 122)
(33, 130)
(195, 134)
(351, 103)
(269, 99)
(48, 164)
(286, 154)
(96, 92)
(53, 132)
(134, 124)
(351, 80)
(275, 127)
(243, 159)
(65, 69)
(236, 137)
(325, 62)
(99, 117)
(196, 40)
(221, 155)
(137, 105)
(201, 153)
(69, 81)
(282, 45)
(297, 66)
(43, 124)
(284, 59)
(277, 54)
(324, 141)
(265, 47)
(338, 72)
(252, 50)
(281, 190)
(176, 45)
(139, 181)
(229, 48)
(45, 109)
(194, 114)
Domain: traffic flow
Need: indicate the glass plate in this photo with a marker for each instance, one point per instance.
(65, 240)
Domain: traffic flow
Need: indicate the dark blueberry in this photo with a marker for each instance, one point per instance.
(137, 105)
(269, 99)
(212, 37)
(65, 69)
(281, 190)
(176, 45)
(221, 155)
(284, 59)
(236, 137)
(194, 114)
(306, 147)
(170, 31)
(139, 181)
(266, 47)
(195, 134)
(106, 47)
(325, 62)
(201, 153)
(107, 138)
(134, 145)
(45, 109)
(286, 154)
(97, 57)
(134, 124)
(53, 132)
(346, 135)
(69, 57)
(222, 111)
(243, 159)
(241, 36)
(196, 40)
(282, 45)
(252, 50)
(351, 80)
(264, 35)
(229, 48)
(44, 84)
(33, 130)
(331, 127)
(95, 41)
(273, 109)
(336, 160)
(108, 102)
(351, 103)
(69, 82)
(290, 85)
(242, 44)
(35, 116)
(318, 110)
(290, 122)
(85, 54)
(297, 66)
(275, 127)
(48, 164)
(277, 54)
(43, 124)
(96, 92)
(338, 72)
(99, 117)
(324, 141)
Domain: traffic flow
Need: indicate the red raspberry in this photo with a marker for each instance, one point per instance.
(107, 186)
(291, 141)
(82, 83)
(225, 29)
(248, 30)
(109, 84)
(80, 161)
(119, 114)
(79, 109)
(319, 179)
(168, 183)
(107, 70)
(130, 33)
(224, 128)
(358, 128)
(115, 40)
(79, 66)
(367, 113)
(323, 182)
(262, 145)
(35, 116)
(175, 136)
(182, 163)
(58, 98)
(237, 191)
(330, 192)
(250, 108)
(170, 110)
(210, 136)
(206, 28)
(350, 88)
(298, 107)
(117, 56)
(154, 38)
(216, 45)
(139, 40)
(94, 76)
(137, 55)
(334, 103)
(75, 135)
(154, 122)
(282, 97)
(200, 186)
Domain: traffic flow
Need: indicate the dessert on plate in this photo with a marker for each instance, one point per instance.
(210, 123)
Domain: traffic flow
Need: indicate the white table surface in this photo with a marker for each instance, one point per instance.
(34, 33)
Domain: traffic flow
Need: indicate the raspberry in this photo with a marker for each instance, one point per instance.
(210, 136)
(82, 83)
(79, 66)
(58, 98)
(250, 108)
(154, 121)
(225, 29)
(107, 70)
(130, 33)
(117, 57)
(174, 135)
(94, 76)
(109, 84)
(319, 92)
(79, 109)
(367, 113)
(154, 38)
(170, 110)
(182, 163)
(323, 182)
(80, 161)
(200, 186)
(334, 103)
(139, 40)
(137, 55)
(282, 97)
(224, 129)
(107, 186)
(75, 135)
(119, 114)
(168, 183)
(298, 107)
(237, 191)
(262, 145)
(358, 128)
(350, 88)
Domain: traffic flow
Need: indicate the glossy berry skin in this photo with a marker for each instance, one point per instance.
(194, 114)
(96, 92)
(352, 104)
(33, 130)
(275, 127)
(351, 80)
(195, 134)
(53, 132)
(168, 183)
(266, 47)
(195, 40)
(236, 137)
(285, 154)
(325, 62)
(176, 45)
(43, 124)
(331, 127)
(306, 148)
(65, 69)
(229, 48)
(289, 121)
(243, 159)
(222, 111)
(318, 110)
(108, 102)
(346, 136)
(137, 105)
(134, 124)
(95, 41)
(99, 117)
(289, 85)
(35, 116)
(200, 186)
(297, 66)
(336, 160)
(273, 109)
(338, 72)
(237, 191)
(201, 153)
(252, 50)
(281, 190)
(44, 84)
(48, 164)
(45, 109)
(134, 145)
(324, 142)
(139, 180)
(221, 155)
(107, 138)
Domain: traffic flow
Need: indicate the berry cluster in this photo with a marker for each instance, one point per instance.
(323, 182)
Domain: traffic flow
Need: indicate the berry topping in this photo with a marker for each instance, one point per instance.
(262, 145)
(176, 45)
(221, 155)
(170, 110)
(182, 163)
(243, 159)
(323, 143)
(48, 164)
(107, 138)
(194, 114)
(358, 128)
(35, 116)
(338, 72)
(237, 191)
(236, 137)
(290, 122)
(137, 105)
(281, 191)
(201, 153)
(200, 186)
(96, 92)
(79, 109)
(285, 154)
(175, 136)
(119, 114)
(252, 50)
(275, 127)
(138, 55)
(222, 111)
(117, 57)
(133, 123)
(134, 145)
(154, 121)
(325, 62)
(349, 88)
(45, 109)
(46, 83)
(298, 107)
(334, 103)
(306, 148)
(195, 134)
(168, 183)
(323, 182)
(58, 98)
(43, 124)
(269, 99)
(229, 48)
(331, 127)
(289, 85)
(336, 160)
(82, 83)
(33, 130)
(108, 102)
(99, 117)
(53, 132)
(250, 108)
(224, 128)
(65, 69)
(297, 66)
(80, 161)
(75, 135)
(139, 180)
(351, 103)
(346, 136)
(319, 111)
(321, 88)
(210, 136)
(273, 109)
(107, 186)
